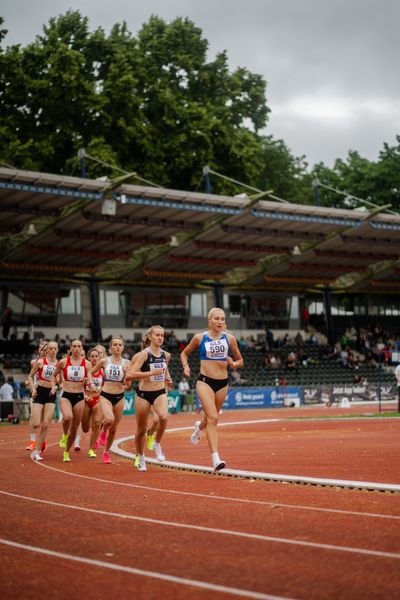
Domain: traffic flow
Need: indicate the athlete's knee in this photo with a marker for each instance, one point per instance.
(108, 422)
(141, 429)
(212, 420)
(162, 420)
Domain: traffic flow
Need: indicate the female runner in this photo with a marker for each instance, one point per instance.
(112, 394)
(92, 414)
(212, 384)
(150, 366)
(101, 440)
(42, 348)
(74, 369)
(43, 397)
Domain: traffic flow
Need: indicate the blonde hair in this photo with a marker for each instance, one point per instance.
(147, 336)
(94, 349)
(116, 337)
(100, 348)
(210, 313)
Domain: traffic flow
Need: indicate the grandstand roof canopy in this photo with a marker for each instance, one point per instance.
(131, 234)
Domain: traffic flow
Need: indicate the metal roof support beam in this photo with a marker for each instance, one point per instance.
(330, 330)
(95, 310)
(52, 191)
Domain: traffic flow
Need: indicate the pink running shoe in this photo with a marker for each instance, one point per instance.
(102, 438)
(106, 458)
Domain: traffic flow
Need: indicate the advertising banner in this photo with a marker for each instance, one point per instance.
(174, 404)
(275, 397)
(355, 393)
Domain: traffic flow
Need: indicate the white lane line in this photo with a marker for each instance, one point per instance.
(344, 483)
(217, 497)
(228, 532)
(154, 575)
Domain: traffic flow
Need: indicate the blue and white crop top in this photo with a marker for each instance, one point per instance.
(214, 349)
(113, 372)
(155, 362)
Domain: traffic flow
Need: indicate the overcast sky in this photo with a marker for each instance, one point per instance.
(331, 66)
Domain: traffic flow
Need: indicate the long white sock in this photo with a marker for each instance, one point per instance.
(77, 440)
(33, 437)
(215, 457)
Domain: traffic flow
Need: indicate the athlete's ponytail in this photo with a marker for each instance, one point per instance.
(147, 336)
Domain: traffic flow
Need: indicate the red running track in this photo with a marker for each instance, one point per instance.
(108, 531)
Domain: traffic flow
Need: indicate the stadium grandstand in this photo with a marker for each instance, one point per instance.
(82, 257)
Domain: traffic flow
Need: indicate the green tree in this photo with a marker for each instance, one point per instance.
(152, 103)
(377, 182)
(285, 174)
(49, 97)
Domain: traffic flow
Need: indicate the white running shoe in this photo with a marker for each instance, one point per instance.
(218, 464)
(140, 463)
(196, 435)
(36, 455)
(159, 453)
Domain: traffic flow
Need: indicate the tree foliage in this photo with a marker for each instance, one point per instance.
(150, 103)
(153, 104)
(376, 182)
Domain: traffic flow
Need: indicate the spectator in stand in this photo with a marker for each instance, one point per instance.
(6, 322)
(7, 391)
(184, 389)
(270, 341)
(298, 340)
(291, 360)
(272, 362)
(351, 361)
(251, 342)
(313, 339)
(243, 343)
(305, 317)
(236, 379)
(386, 355)
(344, 355)
(171, 342)
(370, 359)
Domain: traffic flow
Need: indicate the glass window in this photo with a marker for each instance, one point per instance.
(16, 303)
(198, 304)
(112, 302)
(71, 303)
(166, 308)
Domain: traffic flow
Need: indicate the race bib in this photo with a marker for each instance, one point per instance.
(47, 372)
(98, 381)
(75, 373)
(216, 349)
(115, 373)
(161, 376)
